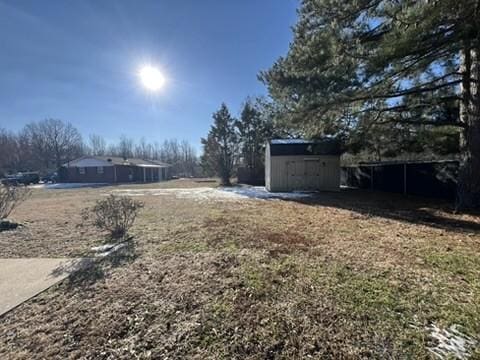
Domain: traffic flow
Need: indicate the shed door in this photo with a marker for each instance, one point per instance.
(295, 175)
(312, 174)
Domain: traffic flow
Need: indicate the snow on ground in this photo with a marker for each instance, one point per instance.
(108, 249)
(60, 186)
(259, 192)
(450, 343)
(234, 193)
(237, 193)
(197, 194)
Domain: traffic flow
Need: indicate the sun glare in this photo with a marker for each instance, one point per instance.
(151, 78)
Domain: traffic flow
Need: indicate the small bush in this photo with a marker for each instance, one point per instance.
(10, 198)
(115, 214)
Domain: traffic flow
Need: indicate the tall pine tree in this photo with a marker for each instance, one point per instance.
(255, 127)
(220, 147)
(386, 62)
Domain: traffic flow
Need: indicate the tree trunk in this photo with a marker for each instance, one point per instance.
(468, 190)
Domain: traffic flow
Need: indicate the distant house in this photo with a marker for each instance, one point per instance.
(111, 169)
(303, 165)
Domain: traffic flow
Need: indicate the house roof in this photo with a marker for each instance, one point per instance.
(289, 147)
(117, 160)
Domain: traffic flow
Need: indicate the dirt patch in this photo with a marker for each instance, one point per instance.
(224, 229)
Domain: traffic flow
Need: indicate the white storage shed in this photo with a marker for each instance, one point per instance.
(302, 165)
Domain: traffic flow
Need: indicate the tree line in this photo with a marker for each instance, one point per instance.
(46, 145)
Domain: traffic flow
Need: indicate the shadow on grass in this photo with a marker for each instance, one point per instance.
(87, 271)
(7, 225)
(409, 209)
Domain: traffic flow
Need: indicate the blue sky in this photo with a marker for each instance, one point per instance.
(78, 60)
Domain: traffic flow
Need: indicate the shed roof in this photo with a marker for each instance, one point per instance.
(292, 147)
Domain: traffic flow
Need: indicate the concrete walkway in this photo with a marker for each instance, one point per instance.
(22, 279)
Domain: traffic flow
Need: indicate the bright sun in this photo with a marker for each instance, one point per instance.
(151, 78)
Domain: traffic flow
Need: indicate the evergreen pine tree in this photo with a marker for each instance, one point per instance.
(220, 146)
(254, 128)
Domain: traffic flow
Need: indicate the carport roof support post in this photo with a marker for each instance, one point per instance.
(371, 177)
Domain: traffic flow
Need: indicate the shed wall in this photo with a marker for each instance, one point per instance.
(314, 172)
(267, 167)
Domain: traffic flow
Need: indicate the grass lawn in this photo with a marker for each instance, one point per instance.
(340, 275)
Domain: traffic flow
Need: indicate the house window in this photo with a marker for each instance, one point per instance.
(100, 170)
(81, 170)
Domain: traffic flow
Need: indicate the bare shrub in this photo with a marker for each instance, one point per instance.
(115, 214)
(10, 198)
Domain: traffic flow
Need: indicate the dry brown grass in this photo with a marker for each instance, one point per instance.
(347, 275)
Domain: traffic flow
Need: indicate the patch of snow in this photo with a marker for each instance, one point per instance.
(236, 193)
(450, 342)
(260, 192)
(108, 249)
(40, 185)
(60, 186)
(102, 248)
(198, 194)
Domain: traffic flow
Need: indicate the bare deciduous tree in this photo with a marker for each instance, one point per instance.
(181, 155)
(9, 151)
(53, 142)
(97, 145)
(125, 147)
(144, 150)
(189, 158)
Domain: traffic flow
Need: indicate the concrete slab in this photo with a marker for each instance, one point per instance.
(21, 279)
